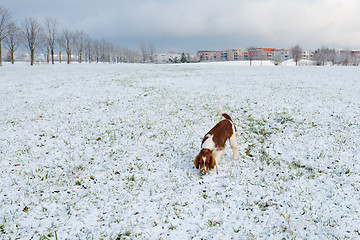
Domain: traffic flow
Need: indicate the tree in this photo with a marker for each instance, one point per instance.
(152, 52)
(261, 55)
(60, 43)
(109, 52)
(4, 19)
(67, 43)
(252, 53)
(13, 39)
(96, 49)
(32, 33)
(324, 55)
(79, 40)
(296, 53)
(104, 45)
(189, 59)
(277, 58)
(183, 58)
(51, 27)
(143, 52)
(344, 57)
(88, 46)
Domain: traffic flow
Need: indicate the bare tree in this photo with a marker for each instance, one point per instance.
(96, 49)
(60, 44)
(4, 19)
(88, 46)
(13, 39)
(67, 43)
(51, 27)
(324, 55)
(117, 52)
(143, 51)
(105, 49)
(261, 55)
(152, 52)
(79, 39)
(344, 57)
(252, 53)
(32, 33)
(102, 49)
(296, 53)
(276, 58)
(110, 53)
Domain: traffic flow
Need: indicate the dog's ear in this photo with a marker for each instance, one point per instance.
(196, 162)
(212, 161)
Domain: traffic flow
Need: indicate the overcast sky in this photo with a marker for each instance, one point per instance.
(191, 25)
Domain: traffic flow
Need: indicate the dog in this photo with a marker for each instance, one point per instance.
(213, 143)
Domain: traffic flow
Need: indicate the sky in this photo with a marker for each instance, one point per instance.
(191, 25)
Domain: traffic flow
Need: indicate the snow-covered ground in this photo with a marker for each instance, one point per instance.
(97, 151)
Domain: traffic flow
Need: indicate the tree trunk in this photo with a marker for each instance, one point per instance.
(12, 57)
(0, 55)
(52, 56)
(32, 57)
(68, 57)
(60, 56)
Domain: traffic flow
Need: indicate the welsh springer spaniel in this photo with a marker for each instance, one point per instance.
(213, 144)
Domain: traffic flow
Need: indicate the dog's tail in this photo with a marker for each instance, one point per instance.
(222, 113)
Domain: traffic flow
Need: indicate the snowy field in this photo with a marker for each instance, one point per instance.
(106, 152)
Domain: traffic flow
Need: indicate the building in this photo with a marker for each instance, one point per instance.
(235, 54)
(307, 54)
(221, 56)
(285, 54)
(205, 55)
(238, 54)
(265, 53)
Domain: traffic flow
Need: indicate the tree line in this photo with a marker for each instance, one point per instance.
(47, 38)
(325, 55)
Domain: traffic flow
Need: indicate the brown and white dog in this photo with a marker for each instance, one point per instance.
(213, 144)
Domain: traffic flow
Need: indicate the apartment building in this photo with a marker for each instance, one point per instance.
(236, 54)
(205, 55)
(308, 54)
(265, 53)
(284, 54)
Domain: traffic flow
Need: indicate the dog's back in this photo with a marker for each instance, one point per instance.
(222, 131)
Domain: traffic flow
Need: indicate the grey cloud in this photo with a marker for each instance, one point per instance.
(207, 23)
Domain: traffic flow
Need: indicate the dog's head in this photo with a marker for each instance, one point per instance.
(205, 161)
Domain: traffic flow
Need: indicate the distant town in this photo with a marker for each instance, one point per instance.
(238, 54)
(320, 56)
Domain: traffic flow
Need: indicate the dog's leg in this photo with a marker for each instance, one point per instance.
(234, 147)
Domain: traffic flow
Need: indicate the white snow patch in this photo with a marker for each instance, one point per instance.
(95, 151)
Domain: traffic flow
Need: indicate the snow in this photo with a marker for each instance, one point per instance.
(97, 151)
